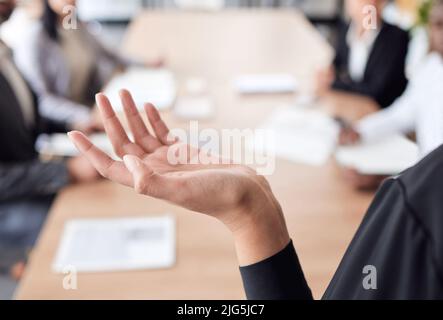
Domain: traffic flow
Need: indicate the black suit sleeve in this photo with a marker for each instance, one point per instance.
(375, 85)
(277, 278)
(45, 125)
(340, 61)
(49, 126)
(31, 179)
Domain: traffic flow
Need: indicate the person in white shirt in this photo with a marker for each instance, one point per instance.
(419, 109)
(66, 64)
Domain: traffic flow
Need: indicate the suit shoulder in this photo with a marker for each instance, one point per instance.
(423, 184)
(395, 32)
(427, 171)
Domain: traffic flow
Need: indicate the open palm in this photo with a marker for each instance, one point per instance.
(215, 189)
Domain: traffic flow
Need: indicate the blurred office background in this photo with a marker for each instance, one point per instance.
(318, 11)
(111, 17)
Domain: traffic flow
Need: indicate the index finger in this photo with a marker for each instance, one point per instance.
(141, 133)
(104, 164)
(115, 131)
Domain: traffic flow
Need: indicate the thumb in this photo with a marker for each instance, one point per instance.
(141, 173)
(147, 182)
(135, 165)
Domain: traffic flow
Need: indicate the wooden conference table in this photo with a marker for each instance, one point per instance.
(322, 211)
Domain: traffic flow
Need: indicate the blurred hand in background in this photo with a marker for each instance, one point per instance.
(81, 171)
(348, 136)
(324, 80)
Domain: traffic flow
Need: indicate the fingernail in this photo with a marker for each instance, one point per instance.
(131, 163)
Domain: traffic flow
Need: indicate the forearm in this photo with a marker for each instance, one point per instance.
(268, 262)
(399, 118)
(262, 237)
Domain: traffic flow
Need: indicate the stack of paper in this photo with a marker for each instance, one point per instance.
(303, 136)
(116, 245)
(387, 156)
(265, 83)
(155, 86)
(60, 145)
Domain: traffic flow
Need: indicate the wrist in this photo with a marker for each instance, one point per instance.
(260, 241)
(260, 230)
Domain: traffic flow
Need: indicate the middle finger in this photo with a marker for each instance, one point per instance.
(114, 129)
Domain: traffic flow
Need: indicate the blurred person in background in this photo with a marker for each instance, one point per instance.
(27, 184)
(65, 64)
(419, 109)
(369, 61)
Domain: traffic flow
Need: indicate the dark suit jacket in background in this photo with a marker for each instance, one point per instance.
(22, 174)
(384, 78)
(27, 185)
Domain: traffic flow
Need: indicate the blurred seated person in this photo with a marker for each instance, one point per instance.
(27, 184)
(419, 109)
(65, 64)
(369, 61)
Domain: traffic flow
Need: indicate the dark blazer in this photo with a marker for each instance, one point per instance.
(399, 244)
(384, 78)
(17, 143)
(27, 185)
(22, 174)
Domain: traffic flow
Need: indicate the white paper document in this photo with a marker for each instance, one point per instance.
(194, 108)
(60, 145)
(266, 83)
(155, 86)
(303, 136)
(100, 245)
(387, 156)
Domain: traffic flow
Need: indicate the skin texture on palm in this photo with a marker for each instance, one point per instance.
(232, 193)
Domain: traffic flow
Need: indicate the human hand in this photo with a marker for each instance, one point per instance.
(324, 80)
(233, 194)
